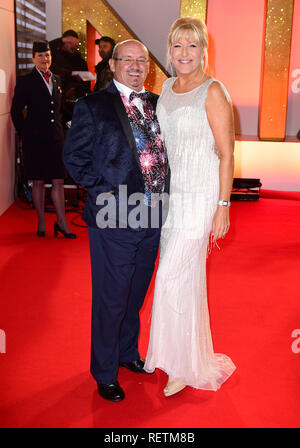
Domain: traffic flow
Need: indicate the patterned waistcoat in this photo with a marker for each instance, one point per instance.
(147, 134)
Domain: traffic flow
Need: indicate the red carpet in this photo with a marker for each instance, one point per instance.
(253, 286)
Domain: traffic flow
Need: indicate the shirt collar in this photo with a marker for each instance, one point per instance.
(126, 91)
(41, 73)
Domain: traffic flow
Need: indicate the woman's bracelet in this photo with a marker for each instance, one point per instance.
(224, 203)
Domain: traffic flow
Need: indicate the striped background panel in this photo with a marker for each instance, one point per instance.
(30, 26)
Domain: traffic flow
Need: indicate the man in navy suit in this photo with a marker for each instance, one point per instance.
(114, 149)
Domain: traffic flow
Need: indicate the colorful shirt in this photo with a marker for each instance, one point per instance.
(147, 134)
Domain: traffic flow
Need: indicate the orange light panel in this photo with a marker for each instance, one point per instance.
(274, 86)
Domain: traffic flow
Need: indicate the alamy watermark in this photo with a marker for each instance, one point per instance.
(296, 82)
(2, 81)
(180, 210)
(296, 342)
(2, 341)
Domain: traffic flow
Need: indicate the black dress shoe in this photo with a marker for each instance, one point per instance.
(58, 229)
(41, 233)
(135, 366)
(111, 392)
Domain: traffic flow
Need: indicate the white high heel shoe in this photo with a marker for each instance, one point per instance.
(173, 387)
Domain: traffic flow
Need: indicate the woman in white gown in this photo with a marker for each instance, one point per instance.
(196, 119)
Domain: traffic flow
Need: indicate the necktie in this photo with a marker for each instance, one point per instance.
(47, 76)
(143, 96)
(147, 108)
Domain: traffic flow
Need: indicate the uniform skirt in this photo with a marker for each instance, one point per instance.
(43, 160)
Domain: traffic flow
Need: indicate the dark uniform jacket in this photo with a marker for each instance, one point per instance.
(42, 119)
(37, 118)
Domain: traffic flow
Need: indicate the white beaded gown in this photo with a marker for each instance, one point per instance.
(180, 341)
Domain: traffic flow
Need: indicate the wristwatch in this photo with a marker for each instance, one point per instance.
(225, 203)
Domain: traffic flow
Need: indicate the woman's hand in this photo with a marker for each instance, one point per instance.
(221, 223)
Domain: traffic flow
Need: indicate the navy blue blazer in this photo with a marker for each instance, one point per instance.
(100, 151)
(43, 117)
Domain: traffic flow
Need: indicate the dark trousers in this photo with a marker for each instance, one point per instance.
(122, 263)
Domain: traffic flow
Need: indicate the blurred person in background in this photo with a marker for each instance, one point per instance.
(104, 74)
(66, 59)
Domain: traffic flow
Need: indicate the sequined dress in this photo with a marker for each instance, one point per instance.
(180, 337)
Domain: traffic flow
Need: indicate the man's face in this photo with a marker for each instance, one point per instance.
(42, 60)
(105, 49)
(70, 44)
(133, 68)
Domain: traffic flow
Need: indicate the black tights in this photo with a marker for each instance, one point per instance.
(58, 199)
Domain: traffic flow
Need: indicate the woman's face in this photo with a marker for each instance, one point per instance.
(187, 54)
(42, 60)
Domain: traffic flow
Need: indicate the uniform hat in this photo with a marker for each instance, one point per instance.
(39, 46)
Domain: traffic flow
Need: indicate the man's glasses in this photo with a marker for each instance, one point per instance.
(130, 61)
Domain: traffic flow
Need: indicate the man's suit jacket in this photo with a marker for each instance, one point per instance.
(100, 151)
(42, 121)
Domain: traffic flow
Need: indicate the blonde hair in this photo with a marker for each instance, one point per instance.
(183, 27)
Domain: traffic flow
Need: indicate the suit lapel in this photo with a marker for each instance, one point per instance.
(39, 79)
(122, 114)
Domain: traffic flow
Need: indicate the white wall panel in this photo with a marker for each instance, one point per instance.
(7, 83)
(7, 59)
(54, 22)
(276, 164)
